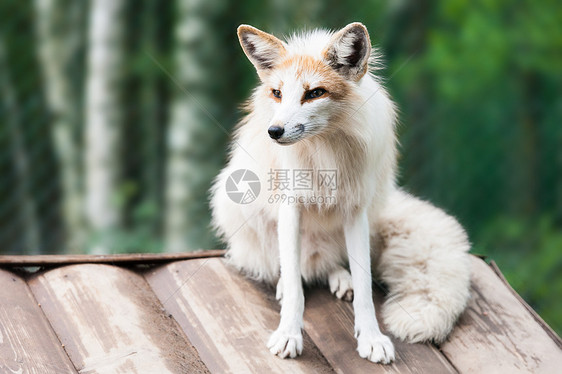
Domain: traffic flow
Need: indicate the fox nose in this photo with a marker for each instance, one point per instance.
(275, 132)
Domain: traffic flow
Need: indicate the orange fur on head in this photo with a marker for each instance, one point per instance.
(335, 85)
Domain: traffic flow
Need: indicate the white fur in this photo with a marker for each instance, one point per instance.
(372, 344)
(341, 284)
(425, 265)
(421, 251)
(287, 339)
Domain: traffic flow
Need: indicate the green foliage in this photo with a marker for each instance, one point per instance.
(528, 252)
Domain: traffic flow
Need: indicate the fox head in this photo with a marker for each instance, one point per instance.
(307, 82)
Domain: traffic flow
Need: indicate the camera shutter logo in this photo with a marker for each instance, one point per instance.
(243, 186)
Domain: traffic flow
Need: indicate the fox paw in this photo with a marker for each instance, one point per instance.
(375, 348)
(284, 344)
(341, 285)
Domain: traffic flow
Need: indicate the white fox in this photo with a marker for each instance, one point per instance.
(319, 108)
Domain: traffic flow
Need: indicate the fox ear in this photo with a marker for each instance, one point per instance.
(349, 51)
(262, 49)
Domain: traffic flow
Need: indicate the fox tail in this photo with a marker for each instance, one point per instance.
(423, 260)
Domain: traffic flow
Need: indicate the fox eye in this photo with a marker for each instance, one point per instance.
(276, 93)
(313, 94)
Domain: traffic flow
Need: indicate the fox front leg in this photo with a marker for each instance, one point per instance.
(286, 341)
(371, 343)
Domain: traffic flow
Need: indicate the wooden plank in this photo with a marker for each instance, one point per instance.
(120, 259)
(535, 315)
(110, 321)
(329, 322)
(228, 318)
(496, 334)
(27, 342)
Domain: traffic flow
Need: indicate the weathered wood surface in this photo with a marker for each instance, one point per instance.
(496, 334)
(228, 318)
(200, 316)
(550, 332)
(27, 342)
(110, 321)
(113, 259)
(329, 322)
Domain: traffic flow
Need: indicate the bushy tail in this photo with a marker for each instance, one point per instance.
(423, 260)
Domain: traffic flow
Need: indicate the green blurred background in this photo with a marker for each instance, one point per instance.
(115, 116)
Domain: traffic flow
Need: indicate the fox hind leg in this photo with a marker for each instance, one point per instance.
(279, 291)
(341, 284)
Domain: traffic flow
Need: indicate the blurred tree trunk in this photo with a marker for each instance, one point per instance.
(28, 209)
(528, 163)
(288, 16)
(103, 119)
(154, 96)
(406, 38)
(281, 11)
(194, 131)
(59, 29)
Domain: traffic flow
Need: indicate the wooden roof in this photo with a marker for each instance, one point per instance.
(116, 314)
